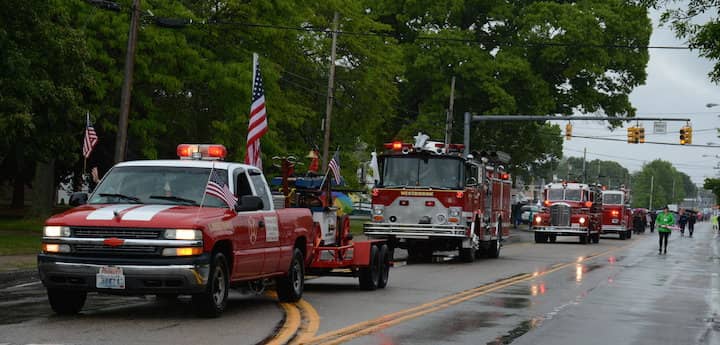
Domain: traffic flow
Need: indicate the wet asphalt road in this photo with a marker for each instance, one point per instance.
(628, 294)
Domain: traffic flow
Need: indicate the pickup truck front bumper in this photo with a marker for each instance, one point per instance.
(142, 276)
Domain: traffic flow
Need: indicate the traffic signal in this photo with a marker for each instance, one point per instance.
(688, 135)
(568, 131)
(683, 136)
(641, 135)
(631, 135)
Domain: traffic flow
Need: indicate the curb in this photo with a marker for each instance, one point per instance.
(17, 277)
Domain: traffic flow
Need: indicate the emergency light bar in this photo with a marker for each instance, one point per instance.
(201, 151)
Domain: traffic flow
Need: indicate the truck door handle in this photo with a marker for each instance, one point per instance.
(261, 224)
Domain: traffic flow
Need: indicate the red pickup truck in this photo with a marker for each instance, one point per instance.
(151, 227)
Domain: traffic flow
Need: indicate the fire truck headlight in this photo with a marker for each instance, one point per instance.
(56, 231)
(582, 220)
(538, 219)
(378, 209)
(455, 211)
(183, 234)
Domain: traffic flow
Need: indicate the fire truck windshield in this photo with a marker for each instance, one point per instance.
(612, 199)
(564, 194)
(156, 185)
(430, 172)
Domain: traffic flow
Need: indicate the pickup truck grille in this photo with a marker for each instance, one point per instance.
(560, 215)
(124, 233)
(122, 250)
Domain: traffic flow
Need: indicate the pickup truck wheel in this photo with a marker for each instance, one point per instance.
(385, 257)
(213, 301)
(66, 302)
(290, 287)
(370, 275)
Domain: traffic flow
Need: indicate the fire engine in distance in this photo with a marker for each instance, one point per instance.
(570, 209)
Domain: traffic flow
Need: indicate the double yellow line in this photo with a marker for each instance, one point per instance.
(293, 332)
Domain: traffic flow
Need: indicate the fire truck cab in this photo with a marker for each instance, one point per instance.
(616, 213)
(431, 197)
(570, 209)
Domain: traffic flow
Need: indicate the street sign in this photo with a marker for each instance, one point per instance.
(659, 127)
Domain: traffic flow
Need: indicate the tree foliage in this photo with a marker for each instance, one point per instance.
(713, 185)
(192, 80)
(608, 173)
(669, 186)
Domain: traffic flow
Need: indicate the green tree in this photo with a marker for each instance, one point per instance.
(713, 184)
(608, 173)
(669, 185)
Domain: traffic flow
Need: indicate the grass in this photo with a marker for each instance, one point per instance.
(20, 236)
(356, 226)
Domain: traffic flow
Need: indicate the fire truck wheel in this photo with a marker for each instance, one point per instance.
(290, 287)
(370, 275)
(553, 238)
(494, 249)
(385, 257)
(596, 238)
(66, 302)
(540, 237)
(622, 235)
(583, 239)
(213, 301)
(629, 234)
(467, 254)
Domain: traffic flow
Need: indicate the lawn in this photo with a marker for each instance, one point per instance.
(20, 236)
(356, 226)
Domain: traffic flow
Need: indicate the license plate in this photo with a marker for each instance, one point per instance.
(615, 221)
(110, 278)
(575, 226)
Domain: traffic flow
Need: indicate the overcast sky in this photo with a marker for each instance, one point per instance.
(677, 86)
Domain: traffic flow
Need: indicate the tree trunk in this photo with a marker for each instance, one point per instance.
(43, 191)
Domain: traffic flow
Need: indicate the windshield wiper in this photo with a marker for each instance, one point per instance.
(174, 198)
(122, 196)
(438, 187)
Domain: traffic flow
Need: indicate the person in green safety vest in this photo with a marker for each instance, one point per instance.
(664, 221)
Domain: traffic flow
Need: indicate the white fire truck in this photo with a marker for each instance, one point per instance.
(431, 197)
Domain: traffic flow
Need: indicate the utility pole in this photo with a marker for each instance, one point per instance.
(449, 120)
(330, 97)
(121, 139)
(652, 185)
(584, 168)
(673, 190)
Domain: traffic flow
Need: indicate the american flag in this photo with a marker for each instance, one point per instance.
(218, 188)
(258, 119)
(91, 138)
(334, 165)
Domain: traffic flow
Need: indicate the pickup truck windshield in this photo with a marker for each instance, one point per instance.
(564, 194)
(156, 185)
(428, 172)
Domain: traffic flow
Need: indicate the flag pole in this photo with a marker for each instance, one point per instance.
(202, 201)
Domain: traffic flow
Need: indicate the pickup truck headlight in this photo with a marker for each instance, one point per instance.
(183, 234)
(56, 231)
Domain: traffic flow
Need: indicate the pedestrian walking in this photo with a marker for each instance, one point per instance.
(653, 215)
(714, 222)
(665, 221)
(692, 217)
(682, 221)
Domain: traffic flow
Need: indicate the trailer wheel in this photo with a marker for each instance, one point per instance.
(290, 287)
(385, 256)
(213, 301)
(66, 302)
(370, 275)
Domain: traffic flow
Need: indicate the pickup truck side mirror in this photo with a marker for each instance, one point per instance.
(78, 198)
(249, 203)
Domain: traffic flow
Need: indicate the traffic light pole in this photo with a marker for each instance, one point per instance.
(469, 118)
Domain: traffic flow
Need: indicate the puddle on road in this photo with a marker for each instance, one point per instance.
(508, 302)
(517, 332)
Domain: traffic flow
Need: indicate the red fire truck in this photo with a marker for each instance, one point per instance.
(617, 214)
(164, 227)
(431, 197)
(570, 209)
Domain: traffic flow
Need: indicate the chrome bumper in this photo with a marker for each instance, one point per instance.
(613, 228)
(561, 230)
(190, 276)
(414, 230)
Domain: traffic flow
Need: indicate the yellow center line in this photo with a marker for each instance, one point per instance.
(311, 323)
(374, 325)
(290, 325)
